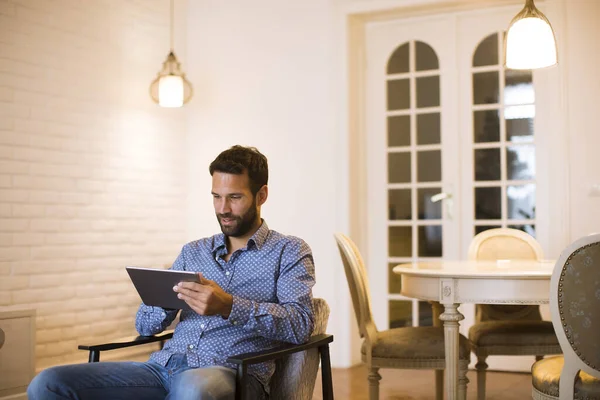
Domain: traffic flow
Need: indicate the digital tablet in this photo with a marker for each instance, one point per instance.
(155, 286)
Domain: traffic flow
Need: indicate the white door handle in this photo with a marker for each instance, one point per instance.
(440, 196)
(448, 200)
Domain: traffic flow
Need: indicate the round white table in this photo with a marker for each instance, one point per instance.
(481, 282)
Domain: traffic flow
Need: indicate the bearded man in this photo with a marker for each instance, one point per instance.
(254, 291)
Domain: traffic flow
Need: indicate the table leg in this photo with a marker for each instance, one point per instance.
(451, 318)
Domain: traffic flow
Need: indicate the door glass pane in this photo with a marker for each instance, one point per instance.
(426, 57)
(399, 130)
(400, 313)
(487, 164)
(428, 128)
(425, 314)
(399, 167)
(482, 228)
(427, 209)
(487, 51)
(530, 229)
(429, 166)
(519, 130)
(486, 126)
(516, 112)
(394, 281)
(488, 203)
(428, 91)
(486, 88)
(518, 87)
(521, 201)
(398, 62)
(400, 241)
(399, 203)
(430, 241)
(520, 162)
(398, 94)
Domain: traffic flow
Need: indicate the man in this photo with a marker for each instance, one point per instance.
(255, 291)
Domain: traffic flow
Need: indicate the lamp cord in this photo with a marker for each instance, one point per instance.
(172, 27)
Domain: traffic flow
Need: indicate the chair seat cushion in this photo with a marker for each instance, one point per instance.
(414, 343)
(513, 333)
(545, 376)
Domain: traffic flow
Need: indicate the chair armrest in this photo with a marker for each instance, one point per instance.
(127, 342)
(280, 351)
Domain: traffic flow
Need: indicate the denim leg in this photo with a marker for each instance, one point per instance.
(100, 381)
(213, 383)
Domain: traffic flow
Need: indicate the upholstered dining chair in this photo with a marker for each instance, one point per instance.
(399, 348)
(507, 330)
(296, 366)
(575, 310)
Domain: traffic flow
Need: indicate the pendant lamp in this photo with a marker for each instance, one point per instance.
(171, 88)
(530, 41)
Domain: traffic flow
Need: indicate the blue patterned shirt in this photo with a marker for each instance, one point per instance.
(271, 282)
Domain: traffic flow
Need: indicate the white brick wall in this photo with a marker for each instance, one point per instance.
(92, 173)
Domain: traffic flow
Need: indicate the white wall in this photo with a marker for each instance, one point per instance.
(581, 54)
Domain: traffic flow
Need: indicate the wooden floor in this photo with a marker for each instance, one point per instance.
(396, 384)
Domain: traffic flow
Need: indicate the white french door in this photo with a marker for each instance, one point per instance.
(412, 156)
(450, 149)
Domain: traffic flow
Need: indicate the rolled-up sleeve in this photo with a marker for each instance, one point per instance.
(151, 320)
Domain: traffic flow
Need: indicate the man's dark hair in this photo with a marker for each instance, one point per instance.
(239, 159)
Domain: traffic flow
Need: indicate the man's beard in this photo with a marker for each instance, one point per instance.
(243, 224)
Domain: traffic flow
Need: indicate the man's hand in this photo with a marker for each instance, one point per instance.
(206, 297)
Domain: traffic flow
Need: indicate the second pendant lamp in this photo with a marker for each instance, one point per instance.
(530, 41)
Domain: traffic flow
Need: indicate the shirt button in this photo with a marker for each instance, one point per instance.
(191, 346)
(227, 273)
(234, 322)
(202, 326)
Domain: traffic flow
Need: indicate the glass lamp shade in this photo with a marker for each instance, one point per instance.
(171, 88)
(530, 41)
(170, 91)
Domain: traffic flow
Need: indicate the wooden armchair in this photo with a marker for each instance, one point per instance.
(295, 369)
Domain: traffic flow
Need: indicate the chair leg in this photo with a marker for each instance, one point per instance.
(326, 378)
(439, 384)
(481, 366)
(240, 383)
(566, 384)
(462, 380)
(374, 379)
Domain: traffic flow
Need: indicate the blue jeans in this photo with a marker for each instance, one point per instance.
(135, 380)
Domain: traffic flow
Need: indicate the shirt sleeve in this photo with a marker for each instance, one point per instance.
(151, 320)
(291, 318)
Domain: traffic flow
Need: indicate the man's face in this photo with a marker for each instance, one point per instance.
(235, 206)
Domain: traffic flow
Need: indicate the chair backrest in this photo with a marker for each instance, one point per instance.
(356, 275)
(575, 307)
(499, 244)
(295, 375)
(504, 243)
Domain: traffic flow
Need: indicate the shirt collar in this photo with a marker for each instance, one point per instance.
(259, 238)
